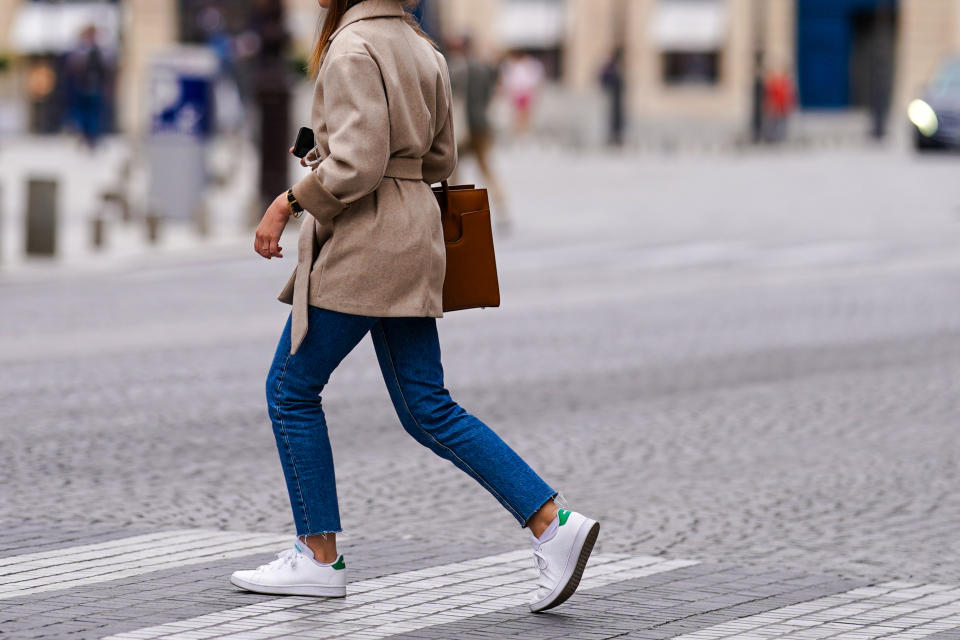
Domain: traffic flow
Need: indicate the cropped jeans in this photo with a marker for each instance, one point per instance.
(408, 351)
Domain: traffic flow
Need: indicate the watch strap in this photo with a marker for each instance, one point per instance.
(294, 205)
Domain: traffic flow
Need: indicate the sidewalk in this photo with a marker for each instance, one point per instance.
(82, 180)
(578, 121)
(854, 202)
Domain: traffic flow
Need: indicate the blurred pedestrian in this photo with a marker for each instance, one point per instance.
(88, 79)
(757, 97)
(474, 84)
(612, 79)
(523, 76)
(40, 82)
(371, 258)
(779, 102)
(880, 77)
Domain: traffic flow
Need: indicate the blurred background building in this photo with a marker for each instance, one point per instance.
(190, 94)
(688, 64)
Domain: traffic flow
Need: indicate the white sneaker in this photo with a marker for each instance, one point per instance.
(561, 558)
(295, 572)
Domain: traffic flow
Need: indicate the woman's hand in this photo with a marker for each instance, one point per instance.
(303, 161)
(267, 239)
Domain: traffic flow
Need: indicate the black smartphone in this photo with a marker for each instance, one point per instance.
(304, 142)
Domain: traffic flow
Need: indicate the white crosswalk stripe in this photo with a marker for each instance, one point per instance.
(901, 610)
(70, 567)
(402, 602)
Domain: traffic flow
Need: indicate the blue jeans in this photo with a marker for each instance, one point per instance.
(409, 354)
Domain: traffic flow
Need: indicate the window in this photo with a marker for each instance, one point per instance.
(690, 35)
(691, 68)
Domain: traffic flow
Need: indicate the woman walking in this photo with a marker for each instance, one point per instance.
(371, 259)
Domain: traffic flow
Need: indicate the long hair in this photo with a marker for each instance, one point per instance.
(329, 25)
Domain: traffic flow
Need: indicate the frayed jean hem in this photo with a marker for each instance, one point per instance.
(322, 534)
(558, 499)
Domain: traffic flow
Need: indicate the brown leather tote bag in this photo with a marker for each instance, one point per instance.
(471, 278)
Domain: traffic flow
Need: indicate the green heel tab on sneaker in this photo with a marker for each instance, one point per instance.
(562, 515)
(339, 564)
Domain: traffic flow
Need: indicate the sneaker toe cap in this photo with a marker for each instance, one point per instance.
(242, 575)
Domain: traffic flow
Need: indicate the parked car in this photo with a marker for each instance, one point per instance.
(935, 115)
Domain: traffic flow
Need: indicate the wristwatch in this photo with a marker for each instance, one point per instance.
(295, 208)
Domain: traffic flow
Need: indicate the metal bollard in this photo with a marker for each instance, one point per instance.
(202, 220)
(98, 225)
(1, 223)
(153, 227)
(41, 214)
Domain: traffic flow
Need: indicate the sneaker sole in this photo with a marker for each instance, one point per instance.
(588, 535)
(291, 590)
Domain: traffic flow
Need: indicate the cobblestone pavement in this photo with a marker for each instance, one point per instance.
(763, 422)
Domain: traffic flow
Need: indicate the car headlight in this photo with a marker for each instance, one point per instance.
(923, 117)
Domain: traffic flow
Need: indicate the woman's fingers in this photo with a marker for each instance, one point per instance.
(268, 247)
(303, 161)
(261, 245)
(269, 231)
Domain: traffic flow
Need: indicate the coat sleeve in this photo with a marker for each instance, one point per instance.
(441, 160)
(358, 126)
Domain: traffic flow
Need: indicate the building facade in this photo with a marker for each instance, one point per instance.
(691, 65)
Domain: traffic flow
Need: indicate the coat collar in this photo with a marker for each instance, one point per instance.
(369, 9)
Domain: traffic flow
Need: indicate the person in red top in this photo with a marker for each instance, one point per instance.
(779, 102)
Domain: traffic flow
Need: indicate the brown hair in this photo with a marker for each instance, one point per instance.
(335, 13)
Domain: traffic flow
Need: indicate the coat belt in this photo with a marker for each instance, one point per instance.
(404, 168)
(398, 167)
(301, 282)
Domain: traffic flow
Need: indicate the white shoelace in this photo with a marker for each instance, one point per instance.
(287, 556)
(537, 557)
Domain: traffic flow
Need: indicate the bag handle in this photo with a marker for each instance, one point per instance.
(445, 202)
(451, 223)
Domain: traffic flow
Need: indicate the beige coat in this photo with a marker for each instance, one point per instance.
(371, 242)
